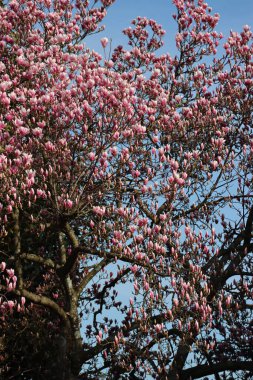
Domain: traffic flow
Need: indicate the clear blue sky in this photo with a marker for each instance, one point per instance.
(234, 14)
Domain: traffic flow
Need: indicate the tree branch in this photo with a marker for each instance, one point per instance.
(17, 248)
(44, 301)
(108, 342)
(205, 370)
(91, 274)
(69, 264)
(247, 236)
(40, 260)
(71, 235)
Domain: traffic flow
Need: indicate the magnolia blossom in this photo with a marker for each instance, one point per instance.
(104, 41)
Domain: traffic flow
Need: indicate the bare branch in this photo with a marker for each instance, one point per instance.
(40, 260)
(205, 370)
(91, 275)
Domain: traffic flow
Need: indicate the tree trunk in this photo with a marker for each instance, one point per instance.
(67, 364)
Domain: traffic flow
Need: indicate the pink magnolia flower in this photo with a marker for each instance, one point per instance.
(10, 272)
(151, 295)
(11, 304)
(134, 269)
(104, 41)
(22, 131)
(2, 266)
(99, 210)
(92, 156)
(68, 203)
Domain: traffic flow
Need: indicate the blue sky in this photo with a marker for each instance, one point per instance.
(234, 14)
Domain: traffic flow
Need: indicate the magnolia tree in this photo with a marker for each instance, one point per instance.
(126, 205)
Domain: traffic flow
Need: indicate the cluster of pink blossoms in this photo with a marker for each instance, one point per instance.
(8, 282)
(123, 171)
